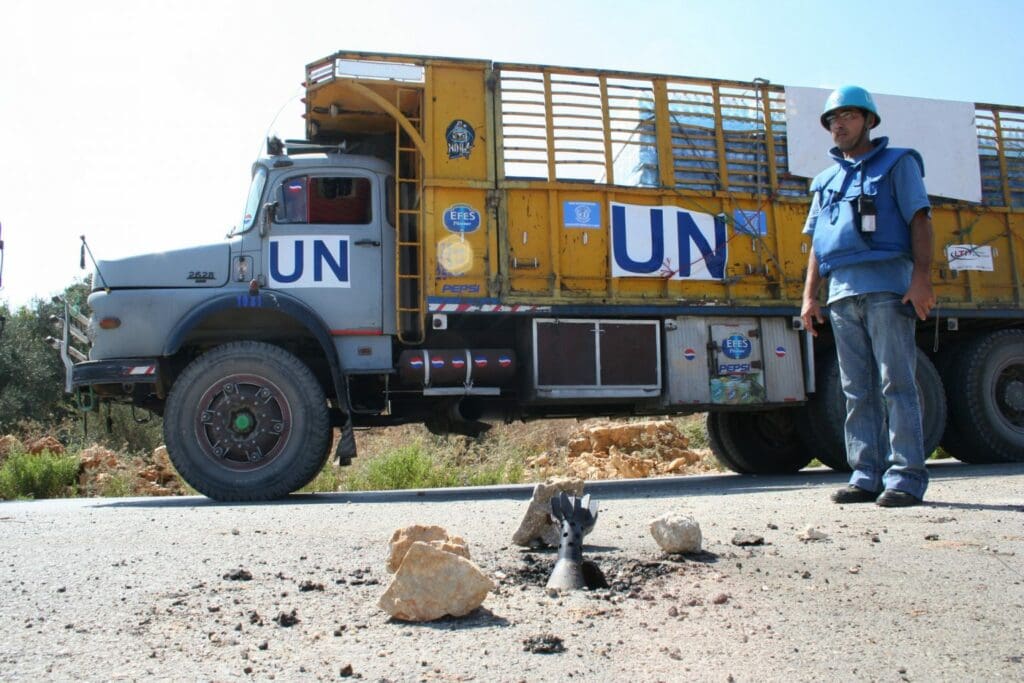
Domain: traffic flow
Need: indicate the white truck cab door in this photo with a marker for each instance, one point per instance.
(324, 247)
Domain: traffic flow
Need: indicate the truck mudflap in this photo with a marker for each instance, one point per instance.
(117, 371)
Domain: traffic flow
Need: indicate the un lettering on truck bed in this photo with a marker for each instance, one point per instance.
(667, 242)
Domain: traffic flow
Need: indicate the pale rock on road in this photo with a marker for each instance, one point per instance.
(186, 589)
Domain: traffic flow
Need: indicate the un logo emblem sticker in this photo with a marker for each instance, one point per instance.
(460, 137)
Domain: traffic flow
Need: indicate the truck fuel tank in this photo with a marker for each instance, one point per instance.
(457, 367)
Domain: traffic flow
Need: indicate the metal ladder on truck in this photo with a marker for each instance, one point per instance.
(409, 257)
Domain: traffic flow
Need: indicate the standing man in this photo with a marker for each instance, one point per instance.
(870, 220)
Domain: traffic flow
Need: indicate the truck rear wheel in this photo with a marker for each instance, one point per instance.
(986, 397)
(758, 442)
(722, 455)
(826, 412)
(247, 421)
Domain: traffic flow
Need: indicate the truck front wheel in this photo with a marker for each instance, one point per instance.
(247, 421)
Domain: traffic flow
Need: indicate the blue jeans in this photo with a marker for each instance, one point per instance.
(877, 358)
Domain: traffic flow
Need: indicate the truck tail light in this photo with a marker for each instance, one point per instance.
(110, 323)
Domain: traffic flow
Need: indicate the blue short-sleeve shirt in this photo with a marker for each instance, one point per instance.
(890, 275)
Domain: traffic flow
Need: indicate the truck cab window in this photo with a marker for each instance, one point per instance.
(333, 200)
(252, 201)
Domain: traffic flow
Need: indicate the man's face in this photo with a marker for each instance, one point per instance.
(847, 126)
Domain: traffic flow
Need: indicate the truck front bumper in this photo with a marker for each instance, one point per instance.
(123, 371)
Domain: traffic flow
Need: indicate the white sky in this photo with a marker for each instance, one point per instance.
(136, 123)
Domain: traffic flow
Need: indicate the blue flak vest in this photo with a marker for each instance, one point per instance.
(838, 240)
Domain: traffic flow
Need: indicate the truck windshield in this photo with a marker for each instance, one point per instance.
(252, 202)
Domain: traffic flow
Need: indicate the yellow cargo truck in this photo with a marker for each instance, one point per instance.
(460, 239)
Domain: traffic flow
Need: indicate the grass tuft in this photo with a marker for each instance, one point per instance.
(38, 476)
(426, 466)
(694, 428)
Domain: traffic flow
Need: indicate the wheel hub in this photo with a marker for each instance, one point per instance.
(1010, 394)
(243, 421)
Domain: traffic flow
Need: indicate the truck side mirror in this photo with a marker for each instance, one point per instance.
(269, 215)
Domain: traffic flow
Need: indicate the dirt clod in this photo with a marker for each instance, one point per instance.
(544, 644)
(286, 619)
(239, 574)
(743, 539)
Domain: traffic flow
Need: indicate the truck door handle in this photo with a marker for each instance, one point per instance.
(367, 243)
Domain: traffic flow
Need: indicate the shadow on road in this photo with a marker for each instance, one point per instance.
(938, 504)
(662, 487)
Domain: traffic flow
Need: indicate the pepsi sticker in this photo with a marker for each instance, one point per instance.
(780, 351)
(689, 354)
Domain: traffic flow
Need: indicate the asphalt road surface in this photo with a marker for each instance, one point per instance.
(122, 589)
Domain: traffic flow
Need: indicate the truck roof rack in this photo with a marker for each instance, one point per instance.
(277, 147)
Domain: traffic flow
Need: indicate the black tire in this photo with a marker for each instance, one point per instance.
(986, 400)
(757, 442)
(724, 457)
(934, 409)
(826, 411)
(948, 364)
(247, 421)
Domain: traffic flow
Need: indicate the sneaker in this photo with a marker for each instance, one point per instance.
(891, 498)
(853, 494)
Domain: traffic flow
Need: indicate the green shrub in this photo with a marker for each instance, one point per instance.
(694, 428)
(328, 481)
(502, 473)
(420, 466)
(407, 467)
(118, 486)
(38, 476)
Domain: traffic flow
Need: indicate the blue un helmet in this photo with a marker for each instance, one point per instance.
(849, 96)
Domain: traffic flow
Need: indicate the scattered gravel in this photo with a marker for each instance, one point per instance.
(150, 588)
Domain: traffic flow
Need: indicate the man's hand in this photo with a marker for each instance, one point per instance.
(811, 309)
(920, 295)
(809, 312)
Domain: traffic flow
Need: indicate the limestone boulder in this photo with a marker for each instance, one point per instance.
(630, 450)
(96, 457)
(432, 583)
(676, 532)
(48, 444)
(438, 537)
(536, 524)
(158, 477)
